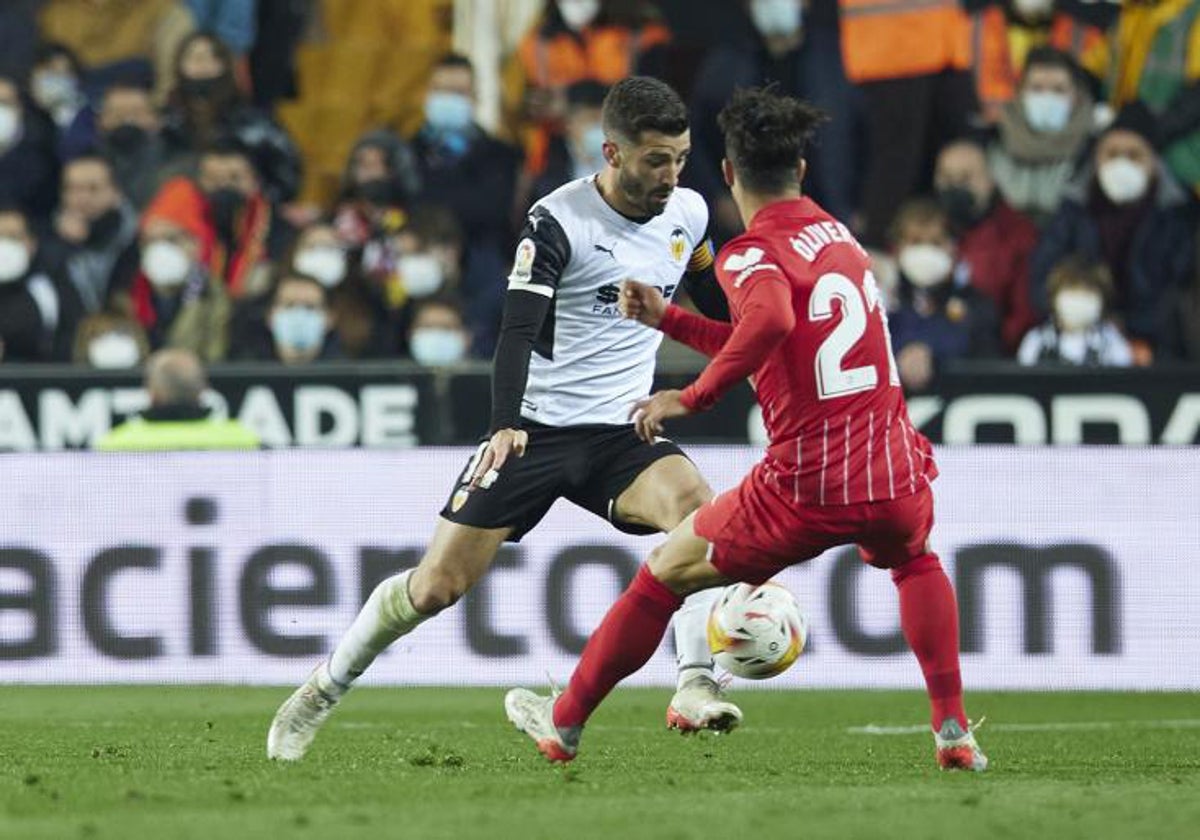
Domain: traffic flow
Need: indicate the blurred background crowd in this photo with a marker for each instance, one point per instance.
(304, 180)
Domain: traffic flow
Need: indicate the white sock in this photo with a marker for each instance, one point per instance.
(386, 616)
(693, 657)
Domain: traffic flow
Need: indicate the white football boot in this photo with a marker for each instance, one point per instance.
(700, 704)
(301, 715)
(533, 714)
(956, 749)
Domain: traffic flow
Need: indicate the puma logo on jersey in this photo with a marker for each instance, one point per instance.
(604, 250)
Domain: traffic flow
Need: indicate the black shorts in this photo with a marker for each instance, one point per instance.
(588, 465)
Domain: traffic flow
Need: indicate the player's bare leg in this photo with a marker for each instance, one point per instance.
(457, 557)
(661, 497)
(625, 640)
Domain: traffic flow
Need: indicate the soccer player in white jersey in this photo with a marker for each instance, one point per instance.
(568, 369)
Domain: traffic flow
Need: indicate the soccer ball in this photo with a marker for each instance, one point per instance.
(756, 632)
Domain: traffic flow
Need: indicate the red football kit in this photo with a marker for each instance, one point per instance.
(809, 328)
(845, 465)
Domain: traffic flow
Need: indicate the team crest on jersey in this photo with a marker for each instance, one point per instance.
(523, 262)
(678, 244)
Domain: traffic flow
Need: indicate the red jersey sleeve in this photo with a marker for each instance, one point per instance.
(704, 335)
(760, 299)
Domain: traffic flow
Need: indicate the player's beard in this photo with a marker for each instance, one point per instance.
(641, 196)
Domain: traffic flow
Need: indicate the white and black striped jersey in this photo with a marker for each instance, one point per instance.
(589, 364)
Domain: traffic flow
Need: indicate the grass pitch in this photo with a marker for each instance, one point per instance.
(176, 763)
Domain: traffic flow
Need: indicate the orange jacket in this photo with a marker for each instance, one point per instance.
(1000, 57)
(894, 39)
(604, 54)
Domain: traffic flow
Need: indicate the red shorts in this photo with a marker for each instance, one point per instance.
(756, 531)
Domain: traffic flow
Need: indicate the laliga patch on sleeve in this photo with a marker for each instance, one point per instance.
(522, 269)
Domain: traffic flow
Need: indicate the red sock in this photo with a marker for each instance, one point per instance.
(623, 643)
(929, 618)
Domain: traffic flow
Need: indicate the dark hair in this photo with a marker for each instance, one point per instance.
(283, 274)
(454, 59)
(1080, 270)
(642, 103)
(220, 48)
(587, 93)
(228, 145)
(766, 134)
(1045, 56)
(918, 210)
(50, 50)
(434, 225)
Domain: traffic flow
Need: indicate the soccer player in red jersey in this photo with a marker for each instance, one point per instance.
(844, 465)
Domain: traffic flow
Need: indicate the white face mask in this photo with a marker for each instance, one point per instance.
(437, 346)
(776, 17)
(14, 259)
(577, 14)
(1122, 180)
(925, 265)
(1033, 8)
(165, 264)
(10, 125)
(52, 90)
(420, 273)
(113, 351)
(326, 263)
(1077, 309)
(1046, 111)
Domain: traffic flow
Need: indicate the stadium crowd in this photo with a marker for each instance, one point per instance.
(302, 181)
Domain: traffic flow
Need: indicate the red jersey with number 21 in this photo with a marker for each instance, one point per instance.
(823, 372)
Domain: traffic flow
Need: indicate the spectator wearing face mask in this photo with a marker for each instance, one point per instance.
(55, 85)
(28, 163)
(994, 241)
(461, 166)
(296, 329)
(1006, 34)
(110, 341)
(1041, 134)
(247, 232)
(1077, 333)
(115, 38)
(176, 297)
(802, 55)
(380, 182)
(357, 309)
(95, 232)
(438, 336)
(1157, 61)
(129, 138)
(938, 317)
(576, 40)
(1126, 211)
(205, 107)
(39, 310)
(177, 418)
(578, 152)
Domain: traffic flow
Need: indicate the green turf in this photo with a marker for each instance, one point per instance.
(176, 763)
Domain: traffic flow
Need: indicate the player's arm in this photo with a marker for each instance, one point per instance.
(645, 303)
(542, 253)
(766, 318)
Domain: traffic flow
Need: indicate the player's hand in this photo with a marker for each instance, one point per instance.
(504, 444)
(915, 366)
(641, 302)
(648, 414)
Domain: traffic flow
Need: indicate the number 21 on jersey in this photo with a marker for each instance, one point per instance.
(858, 305)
